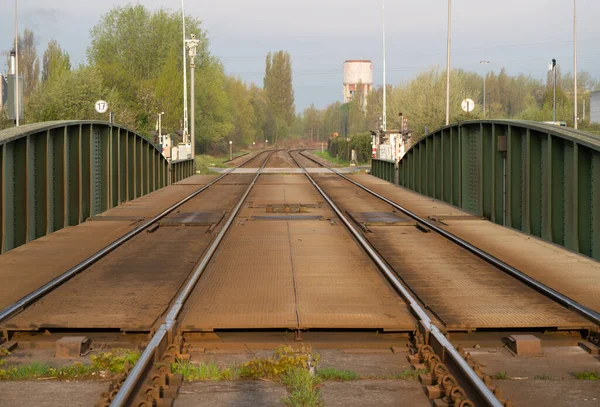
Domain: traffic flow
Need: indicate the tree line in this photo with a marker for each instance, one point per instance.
(422, 100)
(135, 63)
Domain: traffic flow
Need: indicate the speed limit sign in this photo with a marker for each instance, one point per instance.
(101, 106)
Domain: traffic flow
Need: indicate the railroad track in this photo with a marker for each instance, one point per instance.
(151, 381)
(556, 296)
(11, 310)
(161, 345)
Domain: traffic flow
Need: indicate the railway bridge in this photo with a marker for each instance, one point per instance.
(473, 260)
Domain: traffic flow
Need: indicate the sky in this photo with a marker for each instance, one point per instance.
(520, 35)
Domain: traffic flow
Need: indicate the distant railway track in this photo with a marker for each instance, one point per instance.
(32, 297)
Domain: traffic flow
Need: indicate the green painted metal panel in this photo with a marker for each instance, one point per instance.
(570, 196)
(537, 178)
(85, 173)
(72, 176)
(57, 174)
(535, 196)
(558, 190)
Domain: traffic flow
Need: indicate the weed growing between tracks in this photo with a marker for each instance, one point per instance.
(103, 364)
(587, 375)
(204, 371)
(501, 376)
(331, 373)
(303, 388)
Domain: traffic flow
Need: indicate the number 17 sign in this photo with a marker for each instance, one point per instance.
(101, 106)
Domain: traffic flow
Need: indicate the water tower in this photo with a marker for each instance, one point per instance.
(358, 80)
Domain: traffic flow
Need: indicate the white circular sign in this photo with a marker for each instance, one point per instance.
(101, 106)
(468, 105)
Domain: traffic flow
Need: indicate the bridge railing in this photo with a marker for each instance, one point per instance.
(58, 174)
(383, 169)
(541, 179)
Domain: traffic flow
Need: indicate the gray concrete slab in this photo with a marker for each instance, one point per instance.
(51, 393)
(376, 393)
(376, 364)
(230, 393)
(555, 393)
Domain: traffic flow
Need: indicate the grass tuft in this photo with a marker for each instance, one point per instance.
(204, 371)
(303, 388)
(113, 362)
(587, 375)
(501, 376)
(285, 359)
(409, 374)
(338, 375)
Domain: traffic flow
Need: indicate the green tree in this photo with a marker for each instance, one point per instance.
(55, 62)
(279, 95)
(244, 130)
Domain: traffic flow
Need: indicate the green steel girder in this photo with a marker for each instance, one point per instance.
(541, 179)
(58, 174)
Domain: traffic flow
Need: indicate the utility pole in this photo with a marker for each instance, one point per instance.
(575, 59)
(553, 66)
(17, 110)
(160, 126)
(384, 57)
(484, 78)
(185, 103)
(192, 44)
(448, 64)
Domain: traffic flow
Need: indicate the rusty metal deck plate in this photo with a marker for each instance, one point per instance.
(292, 275)
(28, 267)
(381, 218)
(127, 290)
(193, 219)
(572, 274)
(464, 291)
(132, 286)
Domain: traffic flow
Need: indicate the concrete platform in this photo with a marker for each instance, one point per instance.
(50, 393)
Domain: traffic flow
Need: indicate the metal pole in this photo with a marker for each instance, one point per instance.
(484, 79)
(192, 44)
(448, 65)
(554, 103)
(230, 150)
(185, 102)
(484, 95)
(17, 110)
(193, 108)
(384, 79)
(575, 58)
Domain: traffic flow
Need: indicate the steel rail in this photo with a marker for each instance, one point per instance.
(126, 390)
(19, 305)
(483, 390)
(564, 300)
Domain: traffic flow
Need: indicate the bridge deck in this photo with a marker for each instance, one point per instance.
(30, 266)
(572, 274)
(462, 290)
(291, 270)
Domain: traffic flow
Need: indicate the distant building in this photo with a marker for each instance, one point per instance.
(595, 107)
(358, 80)
(3, 92)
